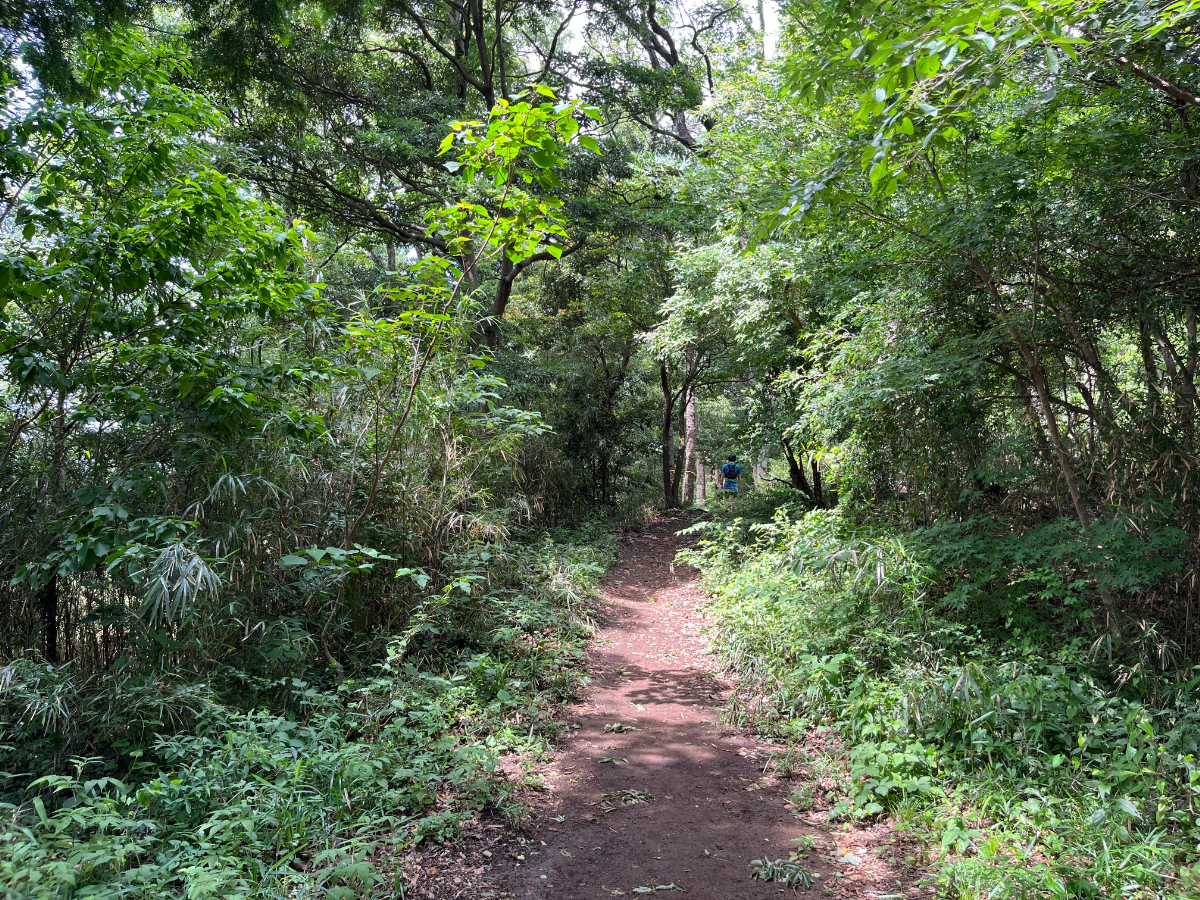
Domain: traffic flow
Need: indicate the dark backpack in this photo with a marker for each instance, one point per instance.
(731, 470)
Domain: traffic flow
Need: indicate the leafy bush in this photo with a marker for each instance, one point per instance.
(311, 788)
(1031, 764)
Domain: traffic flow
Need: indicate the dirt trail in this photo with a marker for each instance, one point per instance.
(712, 810)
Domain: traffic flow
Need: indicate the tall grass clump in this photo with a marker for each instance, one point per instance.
(154, 784)
(981, 705)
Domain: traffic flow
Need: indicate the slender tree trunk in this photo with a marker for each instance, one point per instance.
(48, 606)
(1035, 423)
(668, 420)
(818, 494)
(1037, 378)
(48, 594)
(1090, 355)
(1193, 351)
(680, 454)
(1150, 367)
(762, 26)
(460, 51)
(604, 471)
(1182, 381)
(692, 422)
(500, 64)
(475, 24)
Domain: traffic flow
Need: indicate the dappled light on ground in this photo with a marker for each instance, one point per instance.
(652, 793)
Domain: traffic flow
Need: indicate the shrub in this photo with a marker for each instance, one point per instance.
(303, 788)
(1030, 765)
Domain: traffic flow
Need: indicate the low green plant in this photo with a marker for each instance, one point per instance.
(785, 871)
(305, 788)
(1028, 763)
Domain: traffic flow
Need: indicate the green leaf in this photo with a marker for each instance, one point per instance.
(986, 39)
(1126, 806)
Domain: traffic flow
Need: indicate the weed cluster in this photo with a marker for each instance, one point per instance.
(240, 787)
(1033, 762)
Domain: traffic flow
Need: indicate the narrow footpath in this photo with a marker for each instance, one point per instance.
(651, 794)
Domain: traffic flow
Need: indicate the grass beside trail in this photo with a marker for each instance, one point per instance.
(1031, 764)
(234, 786)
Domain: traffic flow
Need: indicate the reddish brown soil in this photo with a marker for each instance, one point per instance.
(712, 809)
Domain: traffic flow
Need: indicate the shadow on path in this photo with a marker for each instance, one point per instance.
(710, 810)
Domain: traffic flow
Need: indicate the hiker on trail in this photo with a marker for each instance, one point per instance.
(731, 474)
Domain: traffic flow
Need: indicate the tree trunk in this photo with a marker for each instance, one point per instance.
(818, 494)
(604, 471)
(796, 472)
(1182, 379)
(692, 423)
(1038, 379)
(460, 51)
(1039, 433)
(759, 472)
(667, 424)
(1148, 364)
(680, 456)
(504, 286)
(48, 605)
(679, 119)
(48, 600)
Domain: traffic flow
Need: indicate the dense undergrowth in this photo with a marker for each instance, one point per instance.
(240, 786)
(978, 703)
